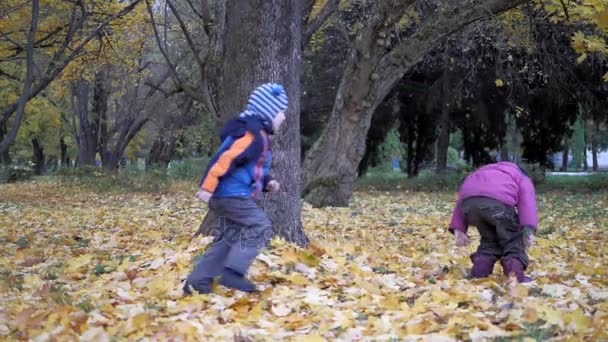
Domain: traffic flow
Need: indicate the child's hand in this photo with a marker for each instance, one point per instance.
(203, 195)
(528, 237)
(529, 240)
(462, 239)
(273, 186)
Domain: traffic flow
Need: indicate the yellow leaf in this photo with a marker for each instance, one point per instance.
(290, 256)
(309, 259)
(581, 58)
(578, 320)
(298, 279)
(390, 303)
(75, 264)
(499, 83)
(138, 322)
(602, 19)
(256, 313)
(578, 42)
(158, 287)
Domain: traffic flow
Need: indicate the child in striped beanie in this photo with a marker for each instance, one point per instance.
(238, 172)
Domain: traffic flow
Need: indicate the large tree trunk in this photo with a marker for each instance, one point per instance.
(262, 44)
(85, 130)
(127, 131)
(372, 70)
(162, 152)
(443, 143)
(565, 158)
(39, 160)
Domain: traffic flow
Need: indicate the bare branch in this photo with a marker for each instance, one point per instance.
(191, 44)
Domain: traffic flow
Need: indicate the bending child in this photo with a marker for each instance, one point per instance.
(499, 199)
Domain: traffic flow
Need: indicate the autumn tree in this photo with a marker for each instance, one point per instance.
(378, 57)
(36, 45)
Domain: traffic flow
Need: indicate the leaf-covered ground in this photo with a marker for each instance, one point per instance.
(110, 267)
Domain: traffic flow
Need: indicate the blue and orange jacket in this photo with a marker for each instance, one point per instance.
(240, 168)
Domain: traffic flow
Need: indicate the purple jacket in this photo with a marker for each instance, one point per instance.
(504, 182)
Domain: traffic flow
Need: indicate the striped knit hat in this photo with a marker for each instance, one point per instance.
(267, 101)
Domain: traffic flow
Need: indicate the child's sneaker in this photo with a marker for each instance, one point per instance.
(236, 281)
(202, 287)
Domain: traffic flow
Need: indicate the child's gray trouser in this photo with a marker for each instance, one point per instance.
(240, 230)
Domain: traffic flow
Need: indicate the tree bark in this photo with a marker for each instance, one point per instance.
(443, 142)
(128, 131)
(565, 158)
(65, 159)
(263, 44)
(162, 151)
(411, 139)
(585, 144)
(372, 70)
(594, 148)
(39, 159)
(85, 130)
(5, 158)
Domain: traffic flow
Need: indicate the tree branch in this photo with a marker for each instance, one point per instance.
(565, 9)
(313, 25)
(191, 91)
(189, 40)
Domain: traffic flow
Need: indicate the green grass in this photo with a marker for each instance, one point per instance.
(427, 181)
(576, 183)
(133, 179)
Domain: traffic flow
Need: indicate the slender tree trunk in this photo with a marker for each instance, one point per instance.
(585, 144)
(262, 44)
(11, 135)
(565, 157)
(594, 147)
(65, 159)
(371, 71)
(411, 138)
(39, 160)
(443, 142)
(5, 158)
(585, 163)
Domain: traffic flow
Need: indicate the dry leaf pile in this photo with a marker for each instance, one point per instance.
(76, 264)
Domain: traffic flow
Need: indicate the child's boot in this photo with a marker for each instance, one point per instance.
(513, 265)
(237, 281)
(483, 265)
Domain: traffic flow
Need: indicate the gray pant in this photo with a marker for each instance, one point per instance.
(240, 229)
(498, 225)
